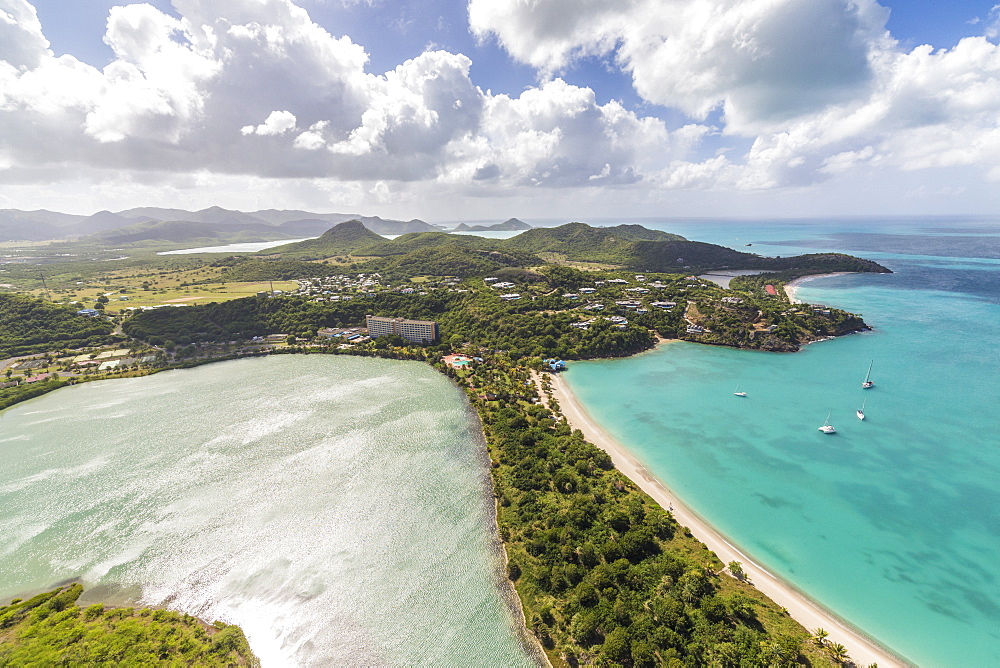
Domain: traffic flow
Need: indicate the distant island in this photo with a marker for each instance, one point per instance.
(509, 225)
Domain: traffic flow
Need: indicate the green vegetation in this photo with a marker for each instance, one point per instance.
(18, 393)
(549, 319)
(606, 576)
(50, 629)
(29, 325)
(630, 247)
(242, 270)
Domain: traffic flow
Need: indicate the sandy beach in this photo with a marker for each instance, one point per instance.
(791, 287)
(862, 650)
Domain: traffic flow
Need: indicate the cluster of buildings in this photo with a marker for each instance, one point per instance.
(327, 288)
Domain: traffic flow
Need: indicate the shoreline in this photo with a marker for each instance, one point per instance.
(862, 650)
(791, 287)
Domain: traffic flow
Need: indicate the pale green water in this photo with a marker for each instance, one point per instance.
(336, 508)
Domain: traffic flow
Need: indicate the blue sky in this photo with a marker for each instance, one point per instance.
(463, 109)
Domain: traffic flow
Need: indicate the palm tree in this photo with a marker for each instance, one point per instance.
(819, 635)
(838, 652)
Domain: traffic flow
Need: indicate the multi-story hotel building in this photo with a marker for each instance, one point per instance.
(418, 331)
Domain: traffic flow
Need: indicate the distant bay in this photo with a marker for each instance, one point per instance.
(336, 508)
(244, 247)
(894, 522)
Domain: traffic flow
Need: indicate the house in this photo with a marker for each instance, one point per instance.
(554, 364)
(90, 312)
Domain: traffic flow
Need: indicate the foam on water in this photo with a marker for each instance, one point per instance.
(336, 508)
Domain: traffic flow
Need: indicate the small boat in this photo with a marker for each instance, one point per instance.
(861, 411)
(738, 393)
(748, 244)
(869, 383)
(827, 428)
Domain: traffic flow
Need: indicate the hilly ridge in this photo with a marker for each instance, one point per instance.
(229, 225)
(632, 247)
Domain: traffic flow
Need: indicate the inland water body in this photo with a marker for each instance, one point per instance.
(893, 523)
(336, 508)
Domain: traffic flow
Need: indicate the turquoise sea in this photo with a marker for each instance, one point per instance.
(892, 523)
(336, 508)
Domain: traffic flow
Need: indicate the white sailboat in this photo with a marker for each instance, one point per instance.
(827, 428)
(861, 411)
(869, 383)
(738, 393)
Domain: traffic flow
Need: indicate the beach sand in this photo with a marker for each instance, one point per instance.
(791, 287)
(862, 651)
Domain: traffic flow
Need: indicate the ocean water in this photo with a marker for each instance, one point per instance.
(892, 523)
(336, 508)
(241, 247)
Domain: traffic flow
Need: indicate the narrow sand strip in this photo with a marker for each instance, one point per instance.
(791, 287)
(862, 650)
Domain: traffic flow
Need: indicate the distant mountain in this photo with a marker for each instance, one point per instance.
(215, 215)
(509, 225)
(342, 239)
(307, 227)
(182, 231)
(16, 225)
(105, 220)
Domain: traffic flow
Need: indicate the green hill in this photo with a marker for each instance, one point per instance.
(347, 238)
(51, 630)
(29, 325)
(581, 242)
(697, 257)
(448, 260)
(632, 247)
(254, 269)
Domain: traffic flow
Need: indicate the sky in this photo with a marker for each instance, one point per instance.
(486, 109)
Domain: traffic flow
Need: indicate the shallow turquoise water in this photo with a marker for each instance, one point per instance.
(337, 508)
(894, 522)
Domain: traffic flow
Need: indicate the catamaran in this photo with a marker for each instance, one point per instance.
(868, 378)
(827, 428)
(861, 411)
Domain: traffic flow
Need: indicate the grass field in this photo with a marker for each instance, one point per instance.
(152, 286)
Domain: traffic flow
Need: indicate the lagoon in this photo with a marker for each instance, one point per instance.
(337, 508)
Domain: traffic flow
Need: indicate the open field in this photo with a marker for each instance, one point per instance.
(152, 286)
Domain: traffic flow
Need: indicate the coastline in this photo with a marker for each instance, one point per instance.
(791, 287)
(862, 650)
